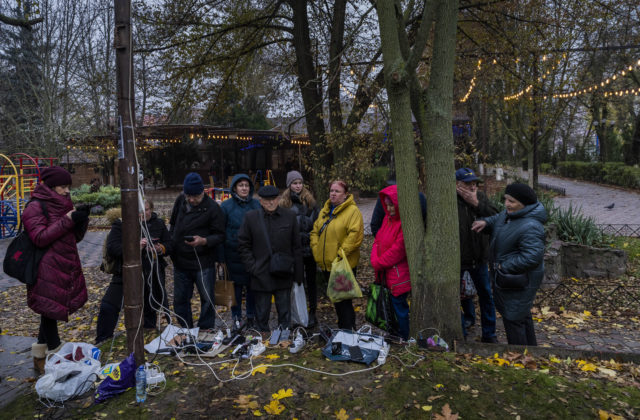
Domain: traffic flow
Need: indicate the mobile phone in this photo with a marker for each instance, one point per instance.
(188, 238)
(155, 240)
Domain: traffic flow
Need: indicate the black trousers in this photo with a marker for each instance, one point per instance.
(282, 299)
(109, 311)
(344, 309)
(48, 332)
(520, 332)
(155, 298)
(311, 283)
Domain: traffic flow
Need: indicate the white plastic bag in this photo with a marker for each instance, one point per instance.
(69, 372)
(299, 314)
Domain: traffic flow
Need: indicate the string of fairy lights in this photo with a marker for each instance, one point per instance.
(526, 92)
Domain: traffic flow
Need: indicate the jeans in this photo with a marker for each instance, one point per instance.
(183, 292)
(401, 307)
(236, 311)
(282, 299)
(520, 332)
(480, 277)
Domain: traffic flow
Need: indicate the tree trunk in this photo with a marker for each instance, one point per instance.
(436, 303)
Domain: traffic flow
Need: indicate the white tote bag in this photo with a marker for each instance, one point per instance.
(299, 314)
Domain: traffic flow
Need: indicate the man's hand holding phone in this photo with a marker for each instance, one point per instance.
(195, 240)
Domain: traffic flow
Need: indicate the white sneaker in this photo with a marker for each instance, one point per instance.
(382, 355)
(298, 343)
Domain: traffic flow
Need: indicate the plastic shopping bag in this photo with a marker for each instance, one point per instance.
(299, 314)
(380, 311)
(118, 380)
(70, 372)
(342, 283)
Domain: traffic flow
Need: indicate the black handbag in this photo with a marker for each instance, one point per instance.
(23, 257)
(511, 281)
(280, 263)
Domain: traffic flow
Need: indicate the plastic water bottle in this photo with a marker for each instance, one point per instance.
(141, 384)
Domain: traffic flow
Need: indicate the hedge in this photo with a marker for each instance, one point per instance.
(615, 173)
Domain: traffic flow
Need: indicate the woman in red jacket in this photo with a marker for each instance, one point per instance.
(60, 289)
(389, 258)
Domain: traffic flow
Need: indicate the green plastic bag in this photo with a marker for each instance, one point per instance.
(379, 308)
(342, 283)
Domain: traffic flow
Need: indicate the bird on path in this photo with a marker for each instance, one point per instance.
(610, 206)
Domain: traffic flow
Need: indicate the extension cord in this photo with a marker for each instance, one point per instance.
(257, 349)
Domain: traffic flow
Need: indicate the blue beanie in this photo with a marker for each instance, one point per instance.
(193, 184)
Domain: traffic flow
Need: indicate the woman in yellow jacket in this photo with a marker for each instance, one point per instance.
(338, 227)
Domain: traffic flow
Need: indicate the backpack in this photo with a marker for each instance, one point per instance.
(23, 256)
(108, 265)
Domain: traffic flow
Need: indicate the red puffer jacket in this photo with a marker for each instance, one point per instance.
(60, 289)
(388, 254)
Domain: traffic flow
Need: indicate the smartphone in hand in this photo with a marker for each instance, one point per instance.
(189, 238)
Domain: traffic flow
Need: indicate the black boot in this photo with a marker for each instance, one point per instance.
(312, 318)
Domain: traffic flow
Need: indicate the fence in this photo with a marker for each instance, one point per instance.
(592, 295)
(620, 229)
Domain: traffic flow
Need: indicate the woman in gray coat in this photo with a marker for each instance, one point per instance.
(517, 248)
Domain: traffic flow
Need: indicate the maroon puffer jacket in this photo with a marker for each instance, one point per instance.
(60, 289)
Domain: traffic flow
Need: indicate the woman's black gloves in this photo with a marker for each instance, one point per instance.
(79, 216)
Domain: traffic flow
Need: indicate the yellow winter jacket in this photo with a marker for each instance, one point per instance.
(343, 229)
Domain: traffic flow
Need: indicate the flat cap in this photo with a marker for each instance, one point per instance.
(268, 191)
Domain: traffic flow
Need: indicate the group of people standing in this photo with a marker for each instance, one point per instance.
(270, 242)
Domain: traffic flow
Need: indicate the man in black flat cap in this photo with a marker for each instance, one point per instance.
(269, 243)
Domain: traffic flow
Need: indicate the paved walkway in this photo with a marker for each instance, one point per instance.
(90, 250)
(592, 199)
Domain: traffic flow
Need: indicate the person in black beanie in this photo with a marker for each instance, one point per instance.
(197, 228)
(60, 289)
(517, 249)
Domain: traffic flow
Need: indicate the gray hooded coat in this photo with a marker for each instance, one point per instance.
(517, 245)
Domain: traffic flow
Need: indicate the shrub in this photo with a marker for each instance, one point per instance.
(545, 168)
(573, 226)
(107, 196)
(616, 173)
(375, 180)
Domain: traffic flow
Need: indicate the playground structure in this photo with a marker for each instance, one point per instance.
(19, 176)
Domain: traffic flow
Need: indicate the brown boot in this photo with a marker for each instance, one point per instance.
(39, 353)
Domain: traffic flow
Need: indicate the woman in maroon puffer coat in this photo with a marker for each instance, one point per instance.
(60, 289)
(389, 258)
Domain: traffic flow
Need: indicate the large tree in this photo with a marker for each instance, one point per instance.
(433, 252)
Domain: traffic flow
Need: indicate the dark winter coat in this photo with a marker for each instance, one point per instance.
(388, 254)
(234, 210)
(474, 247)
(157, 230)
(517, 245)
(206, 220)
(282, 231)
(304, 206)
(60, 288)
(378, 214)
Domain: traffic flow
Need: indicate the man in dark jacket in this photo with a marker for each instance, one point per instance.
(197, 228)
(264, 232)
(153, 265)
(474, 248)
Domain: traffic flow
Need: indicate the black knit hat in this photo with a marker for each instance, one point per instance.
(522, 192)
(54, 176)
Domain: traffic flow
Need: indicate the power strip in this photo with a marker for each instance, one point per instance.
(154, 376)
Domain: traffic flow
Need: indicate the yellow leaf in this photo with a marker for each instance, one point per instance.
(274, 407)
(314, 396)
(553, 359)
(608, 416)
(609, 372)
(438, 386)
(626, 244)
(342, 414)
(257, 413)
(589, 367)
(259, 369)
(282, 394)
(175, 372)
(599, 312)
(427, 407)
(586, 313)
(272, 356)
(356, 309)
(561, 309)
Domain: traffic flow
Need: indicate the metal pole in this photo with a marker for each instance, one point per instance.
(127, 167)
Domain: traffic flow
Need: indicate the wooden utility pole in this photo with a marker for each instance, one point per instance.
(128, 170)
